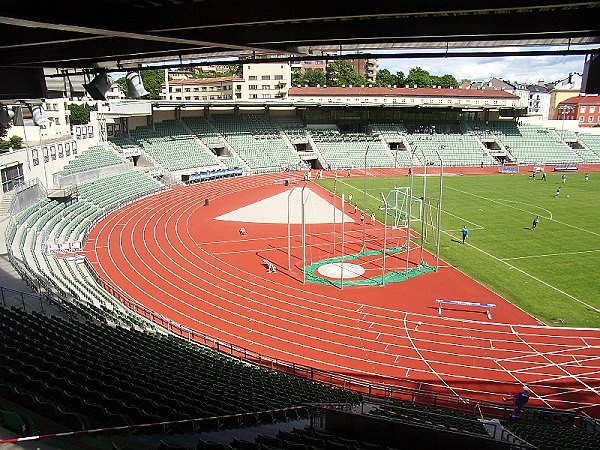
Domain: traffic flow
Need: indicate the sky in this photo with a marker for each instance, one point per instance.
(521, 69)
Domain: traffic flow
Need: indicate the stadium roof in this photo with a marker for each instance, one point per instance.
(397, 92)
(122, 34)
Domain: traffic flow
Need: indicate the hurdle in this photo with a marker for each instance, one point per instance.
(488, 306)
(286, 181)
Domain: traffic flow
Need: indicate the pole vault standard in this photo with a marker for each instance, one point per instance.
(289, 229)
(423, 217)
(384, 237)
(439, 213)
(409, 206)
(334, 222)
(365, 203)
(342, 259)
(303, 201)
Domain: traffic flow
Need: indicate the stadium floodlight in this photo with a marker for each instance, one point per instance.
(99, 86)
(39, 116)
(135, 86)
(6, 115)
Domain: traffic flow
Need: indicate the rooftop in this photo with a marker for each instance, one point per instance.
(376, 91)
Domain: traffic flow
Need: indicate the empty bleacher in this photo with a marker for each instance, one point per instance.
(56, 221)
(550, 436)
(455, 147)
(172, 146)
(592, 144)
(343, 150)
(531, 144)
(87, 375)
(256, 140)
(93, 158)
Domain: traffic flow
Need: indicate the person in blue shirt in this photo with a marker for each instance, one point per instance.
(520, 399)
(465, 233)
(536, 220)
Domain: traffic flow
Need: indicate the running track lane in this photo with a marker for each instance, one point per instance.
(168, 252)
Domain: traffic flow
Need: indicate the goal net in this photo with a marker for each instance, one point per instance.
(400, 205)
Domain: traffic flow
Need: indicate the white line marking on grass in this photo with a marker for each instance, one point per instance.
(529, 275)
(499, 201)
(551, 254)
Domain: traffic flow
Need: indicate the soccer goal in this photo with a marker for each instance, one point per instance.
(401, 204)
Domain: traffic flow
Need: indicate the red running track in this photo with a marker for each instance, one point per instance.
(168, 252)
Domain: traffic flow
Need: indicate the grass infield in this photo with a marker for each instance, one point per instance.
(551, 272)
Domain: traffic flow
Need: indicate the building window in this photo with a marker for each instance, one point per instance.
(253, 95)
(581, 118)
(265, 87)
(252, 77)
(265, 96)
(590, 118)
(582, 109)
(238, 87)
(265, 77)
(592, 109)
(279, 77)
(253, 87)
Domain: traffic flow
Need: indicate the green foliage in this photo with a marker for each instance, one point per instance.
(297, 78)
(122, 83)
(445, 81)
(340, 73)
(386, 78)
(153, 81)
(548, 272)
(419, 77)
(3, 130)
(15, 142)
(80, 114)
(314, 77)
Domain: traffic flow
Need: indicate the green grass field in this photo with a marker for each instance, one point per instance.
(553, 272)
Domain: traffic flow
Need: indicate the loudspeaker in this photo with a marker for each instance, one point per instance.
(6, 115)
(39, 116)
(135, 86)
(206, 202)
(590, 83)
(286, 182)
(99, 86)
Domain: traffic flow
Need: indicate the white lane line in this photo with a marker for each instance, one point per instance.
(521, 382)
(543, 355)
(529, 275)
(427, 362)
(551, 254)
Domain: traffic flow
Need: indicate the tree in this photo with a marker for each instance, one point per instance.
(314, 77)
(445, 81)
(122, 83)
(153, 81)
(386, 78)
(80, 114)
(15, 142)
(419, 77)
(297, 78)
(341, 73)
